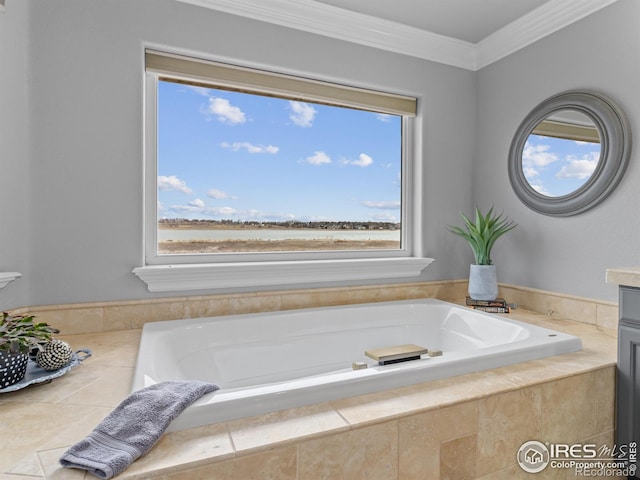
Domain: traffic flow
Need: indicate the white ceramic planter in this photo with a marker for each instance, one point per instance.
(483, 282)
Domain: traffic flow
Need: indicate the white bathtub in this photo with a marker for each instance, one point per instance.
(272, 361)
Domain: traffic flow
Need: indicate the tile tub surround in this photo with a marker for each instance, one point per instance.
(629, 276)
(108, 316)
(463, 427)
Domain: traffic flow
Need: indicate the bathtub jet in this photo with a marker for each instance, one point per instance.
(273, 361)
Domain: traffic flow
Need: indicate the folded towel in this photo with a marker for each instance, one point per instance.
(135, 425)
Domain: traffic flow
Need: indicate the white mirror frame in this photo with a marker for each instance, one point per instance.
(615, 151)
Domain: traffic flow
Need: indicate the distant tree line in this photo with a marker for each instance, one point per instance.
(324, 225)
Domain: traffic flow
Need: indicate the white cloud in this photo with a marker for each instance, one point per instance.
(579, 167)
(254, 214)
(318, 158)
(197, 209)
(536, 158)
(384, 217)
(538, 187)
(202, 210)
(364, 160)
(222, 211)
(204, 91)
(224, 111)
(382, 205)
(250, 147)
(218, 194)
(172, 183)
(537, 155)
(383, 117)
(302, 114)
(186, 209)
(530, 172)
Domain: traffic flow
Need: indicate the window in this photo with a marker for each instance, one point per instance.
(239, 172)
(246, 167)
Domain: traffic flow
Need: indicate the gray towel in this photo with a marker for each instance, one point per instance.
(135, 425)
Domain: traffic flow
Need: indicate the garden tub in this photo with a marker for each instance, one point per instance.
(278, 360)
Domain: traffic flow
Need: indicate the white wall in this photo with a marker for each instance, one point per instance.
(568, 255)
(85, 131)
(14, 151)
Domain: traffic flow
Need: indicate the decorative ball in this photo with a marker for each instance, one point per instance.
(54, 355)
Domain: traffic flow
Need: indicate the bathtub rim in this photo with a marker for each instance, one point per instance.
(307, 394)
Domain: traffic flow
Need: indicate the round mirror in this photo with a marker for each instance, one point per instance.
(569, 153)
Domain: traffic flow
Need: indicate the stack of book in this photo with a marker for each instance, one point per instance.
(499, 305)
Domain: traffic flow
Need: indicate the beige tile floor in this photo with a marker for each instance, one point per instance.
(38, 423)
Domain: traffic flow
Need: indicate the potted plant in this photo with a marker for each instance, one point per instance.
(19, 334)
(481, 235)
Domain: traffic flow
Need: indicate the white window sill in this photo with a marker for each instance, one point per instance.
(169, 278)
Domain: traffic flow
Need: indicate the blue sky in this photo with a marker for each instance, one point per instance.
(228, 155)
(555, 166)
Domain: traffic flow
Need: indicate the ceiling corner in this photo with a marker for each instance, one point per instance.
(541, 22)
(324, 19)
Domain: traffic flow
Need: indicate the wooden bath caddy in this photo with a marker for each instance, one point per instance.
(396, 354)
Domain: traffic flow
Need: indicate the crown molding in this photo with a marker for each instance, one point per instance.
(323, 19)
(548, 18)
(330, 21)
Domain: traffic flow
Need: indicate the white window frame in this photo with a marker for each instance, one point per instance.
(163, 273)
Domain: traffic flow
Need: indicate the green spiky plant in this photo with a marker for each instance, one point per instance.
(20, 333)
(483, 233)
